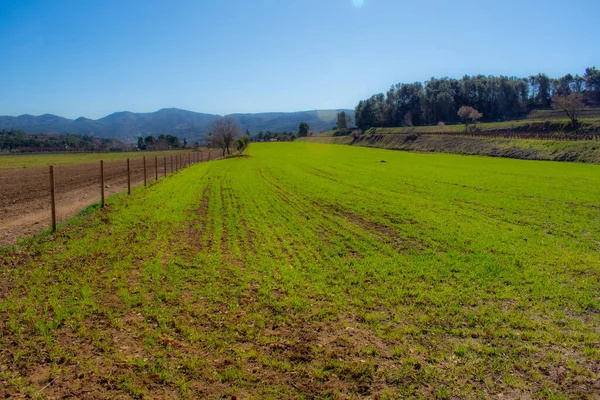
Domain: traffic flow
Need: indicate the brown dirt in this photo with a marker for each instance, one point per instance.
(25, 192)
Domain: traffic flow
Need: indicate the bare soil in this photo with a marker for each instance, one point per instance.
(25, 192)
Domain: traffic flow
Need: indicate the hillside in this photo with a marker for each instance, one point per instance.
(586, 151)
(318, 120)
(128, 126)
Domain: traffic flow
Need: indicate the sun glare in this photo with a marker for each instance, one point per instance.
(358, 3)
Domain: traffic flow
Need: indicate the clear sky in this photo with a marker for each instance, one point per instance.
(91, 58)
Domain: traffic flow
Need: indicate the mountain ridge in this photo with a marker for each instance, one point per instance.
(192, 125)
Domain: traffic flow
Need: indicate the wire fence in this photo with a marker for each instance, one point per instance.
(32, 199)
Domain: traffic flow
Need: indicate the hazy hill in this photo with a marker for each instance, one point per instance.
(128, 126)
(288, 122)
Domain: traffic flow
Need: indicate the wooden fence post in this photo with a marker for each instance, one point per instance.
(171, 163)
(52, 198)
(128, 177)
(102, 181)
(145, 179)
(155, 168)
(165, 165)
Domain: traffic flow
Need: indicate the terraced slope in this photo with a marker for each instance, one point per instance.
(317, 271)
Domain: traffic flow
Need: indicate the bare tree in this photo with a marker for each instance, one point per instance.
(223, 133)
(469, 115)
(572, 105)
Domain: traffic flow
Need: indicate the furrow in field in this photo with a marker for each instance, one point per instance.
(317, 219)
(363, 230)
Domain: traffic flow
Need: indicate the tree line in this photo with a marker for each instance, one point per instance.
(162, 142)
(18, 140)
(494, 97)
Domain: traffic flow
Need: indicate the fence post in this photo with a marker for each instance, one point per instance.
(155, 168)
(145, 179)
(128, 177)
(102, 181)
(52, 198)
(165, 165)
(171, 163)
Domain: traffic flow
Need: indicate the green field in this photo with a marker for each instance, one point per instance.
(37, 160)
(317, 271)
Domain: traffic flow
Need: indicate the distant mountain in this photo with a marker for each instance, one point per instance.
(128, 126)
(288, 122)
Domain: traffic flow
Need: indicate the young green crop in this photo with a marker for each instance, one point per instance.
(317, 271)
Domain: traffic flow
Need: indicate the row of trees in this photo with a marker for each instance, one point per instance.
(162, 142)
(278, 136)
(496, 97)
(18, 140)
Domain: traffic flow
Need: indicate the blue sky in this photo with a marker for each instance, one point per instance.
(91, 58)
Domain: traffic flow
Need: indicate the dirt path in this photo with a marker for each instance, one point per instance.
(25, 192)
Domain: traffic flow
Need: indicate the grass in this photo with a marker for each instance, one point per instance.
(552, 114)
(317, 271)
(528, 124)
(36, 160)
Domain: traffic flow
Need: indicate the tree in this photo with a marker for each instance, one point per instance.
(563, 86)
(443, 107)
(541, 87)
(243, 141)
(592, 81)
(342, 120)
(363, 115)
(571, 105)
(173, 141)
(140, 143)
(469, 115)
(223, 133)
(303, 129)
(150, 142)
